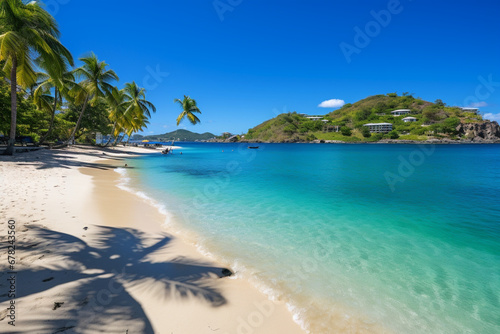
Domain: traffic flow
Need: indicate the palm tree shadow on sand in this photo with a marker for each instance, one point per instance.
(98, 279)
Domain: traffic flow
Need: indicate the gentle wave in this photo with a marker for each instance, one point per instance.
(240, 270)
(124, 184)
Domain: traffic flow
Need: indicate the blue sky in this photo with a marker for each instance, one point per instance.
(245, 61)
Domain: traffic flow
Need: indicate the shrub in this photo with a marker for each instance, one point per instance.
(362, 114)
(393, 134)
(311, 137)
(439, 102)
(290, 128)
(419, 131)
(310, 126)
(365, 132)
(345, 131)
(430, 114)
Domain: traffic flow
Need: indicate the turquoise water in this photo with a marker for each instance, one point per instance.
(356, 238)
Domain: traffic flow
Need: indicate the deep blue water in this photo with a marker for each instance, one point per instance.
(401, 238)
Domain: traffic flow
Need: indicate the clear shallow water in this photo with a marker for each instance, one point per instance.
(357, 238)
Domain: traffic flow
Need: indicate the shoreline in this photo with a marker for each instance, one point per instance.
(310, 317)
(409, 142)
(160, 293)
(386, 141)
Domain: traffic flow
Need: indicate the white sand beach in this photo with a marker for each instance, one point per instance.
(92, 258)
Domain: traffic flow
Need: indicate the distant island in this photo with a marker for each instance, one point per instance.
(178, 135)
(379, 118)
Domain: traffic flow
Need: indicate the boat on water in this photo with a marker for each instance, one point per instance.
(253, 147)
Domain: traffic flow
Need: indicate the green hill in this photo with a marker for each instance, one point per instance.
(434, 120)
(179, 135)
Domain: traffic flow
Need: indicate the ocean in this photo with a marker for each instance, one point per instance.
(355, 238)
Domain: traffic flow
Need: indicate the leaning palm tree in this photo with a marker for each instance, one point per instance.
(27, 32)
(96, 84)
(189, 107)
(138, 123)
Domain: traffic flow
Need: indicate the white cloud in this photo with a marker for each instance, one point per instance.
(478, 104)
(492, 117)
(333, 103)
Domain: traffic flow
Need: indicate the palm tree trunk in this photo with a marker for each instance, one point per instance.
(128, 139)
(72, 136)
(111, 137)
(51, 119)
(116, 140)
(13, 108)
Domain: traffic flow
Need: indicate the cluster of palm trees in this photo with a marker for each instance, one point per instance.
(31, 56)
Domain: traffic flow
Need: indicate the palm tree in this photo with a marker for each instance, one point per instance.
(96, 84)
(138, 123)
(128, 110)
(42, 95)
(138, 107)
(116, 100)
(28, 31)
(137, 99)
(189, 107)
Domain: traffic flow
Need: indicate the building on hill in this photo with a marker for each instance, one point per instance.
(400, 112)
(314, 117)
(232, 139)
(467, 109)
(330, 128)
(379, 127)
(409, 119)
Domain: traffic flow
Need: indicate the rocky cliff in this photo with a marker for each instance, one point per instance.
(485, 131)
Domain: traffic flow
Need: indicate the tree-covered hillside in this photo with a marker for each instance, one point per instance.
(434, 120)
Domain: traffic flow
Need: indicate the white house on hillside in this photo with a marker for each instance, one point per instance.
(409, 119)
(400, 112)
(466, 109)
(315, 118)
(379, 127)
